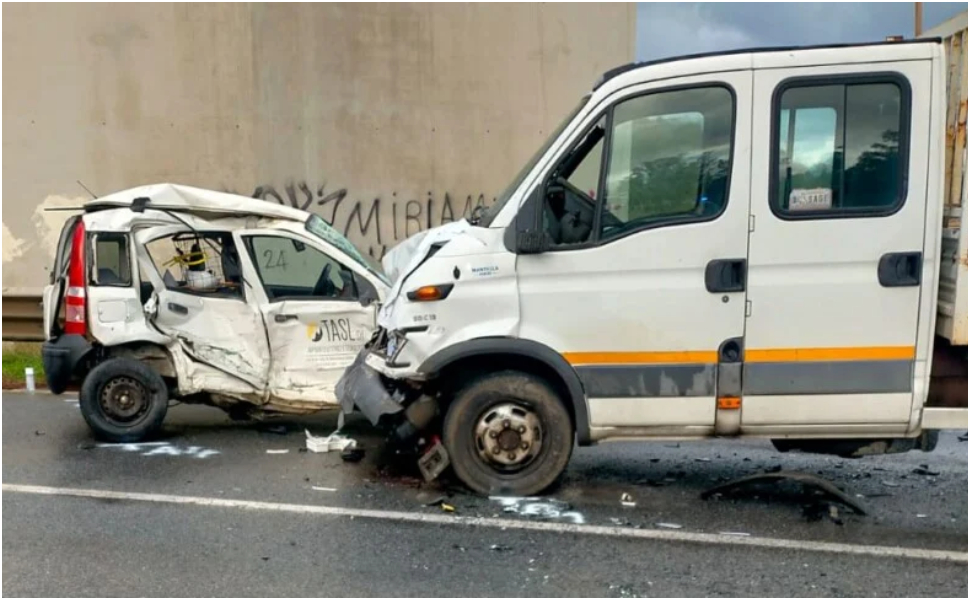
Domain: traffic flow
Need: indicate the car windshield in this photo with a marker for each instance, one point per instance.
(320, 228)
(503, 198)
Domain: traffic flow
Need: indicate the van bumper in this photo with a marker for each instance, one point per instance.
(363, 388)
(60, 357)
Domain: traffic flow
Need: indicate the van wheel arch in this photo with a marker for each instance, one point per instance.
(452, 365)
(154, 356)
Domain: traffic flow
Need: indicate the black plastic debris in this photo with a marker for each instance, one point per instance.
(806, 479)
(925, 470)
(352, 454)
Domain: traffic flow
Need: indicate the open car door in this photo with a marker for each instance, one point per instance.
(319, 309)
(204, 301)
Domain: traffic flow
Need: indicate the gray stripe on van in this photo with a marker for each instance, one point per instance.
(828, 377)
(651, 381)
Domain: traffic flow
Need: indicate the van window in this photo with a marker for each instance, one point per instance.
(837, 149)
(669, 160)
(110, 265)
(292, 269)
(198, 262)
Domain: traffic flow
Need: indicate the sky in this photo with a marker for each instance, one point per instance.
(672, 29)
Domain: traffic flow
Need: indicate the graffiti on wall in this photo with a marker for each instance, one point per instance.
(375, 225)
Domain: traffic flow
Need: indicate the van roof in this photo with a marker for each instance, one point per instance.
(615, 71)
(183, 198)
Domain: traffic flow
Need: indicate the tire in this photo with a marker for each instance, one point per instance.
(123, 400)
(490, 404)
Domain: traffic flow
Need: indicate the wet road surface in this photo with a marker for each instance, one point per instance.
(207, 510)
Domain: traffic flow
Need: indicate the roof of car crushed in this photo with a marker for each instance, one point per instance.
(183, 198)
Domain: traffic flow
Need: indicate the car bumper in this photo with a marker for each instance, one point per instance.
(363, 387)
(60, 357)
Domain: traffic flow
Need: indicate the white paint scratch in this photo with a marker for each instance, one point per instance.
(162, 449)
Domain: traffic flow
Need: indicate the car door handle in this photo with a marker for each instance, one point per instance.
(725, 275)
(284, 318)
(178, 308)
(900, 269)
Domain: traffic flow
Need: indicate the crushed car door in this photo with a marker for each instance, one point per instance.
(203, 300)
(318, 311)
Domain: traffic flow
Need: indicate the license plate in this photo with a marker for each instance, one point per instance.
(434, 461)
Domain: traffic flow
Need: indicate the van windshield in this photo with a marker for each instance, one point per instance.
(320, 228)
(503, 198)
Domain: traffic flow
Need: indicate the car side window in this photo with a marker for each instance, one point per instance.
(839, 147)
(291, 269)
(669, 159)
(198, 262)
(111, 265)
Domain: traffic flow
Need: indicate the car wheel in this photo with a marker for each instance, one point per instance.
(123, 400)
(508, 433)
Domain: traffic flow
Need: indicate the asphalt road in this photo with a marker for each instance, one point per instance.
(206, 510)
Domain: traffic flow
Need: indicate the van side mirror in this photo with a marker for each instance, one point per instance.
(532, 242)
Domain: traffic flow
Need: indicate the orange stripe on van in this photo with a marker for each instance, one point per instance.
(832, 354)
(641, 358)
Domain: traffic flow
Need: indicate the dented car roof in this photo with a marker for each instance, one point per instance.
(183, 198)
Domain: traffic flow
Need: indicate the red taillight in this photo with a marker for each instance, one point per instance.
(76, 321)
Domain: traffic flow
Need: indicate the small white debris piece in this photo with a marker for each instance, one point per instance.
(669, 525)
(277, 451)
(735, 533)
(920, 516)
(320, 488)
(627, 500)
(335, 442)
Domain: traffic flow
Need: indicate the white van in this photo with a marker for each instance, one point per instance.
(168, 292)
(743, 244)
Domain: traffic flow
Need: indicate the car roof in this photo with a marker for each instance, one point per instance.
(183, 198)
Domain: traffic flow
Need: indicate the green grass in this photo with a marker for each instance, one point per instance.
(16, 358)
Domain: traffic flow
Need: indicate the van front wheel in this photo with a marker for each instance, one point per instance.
(123, 400)
(508, 433)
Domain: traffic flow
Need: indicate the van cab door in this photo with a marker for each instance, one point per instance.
(840, 286)
(318, 310)
(643, 288)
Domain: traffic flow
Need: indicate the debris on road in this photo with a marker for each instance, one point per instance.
(539, 508)
(669, 525)
(925, 470)
(277, 429)
(442, 504)
(434, 460)
(774, 476)
(331, 443)
(627, 500)
(352, 454)
(277, 451)
(734, 533)
(921, 515)
(499, 548)
(320, 488)
(889, 483)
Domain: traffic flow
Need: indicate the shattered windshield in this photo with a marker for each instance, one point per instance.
(320, 228)
(503, 198)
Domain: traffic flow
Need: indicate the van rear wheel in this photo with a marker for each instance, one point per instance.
(508, 433)
(123, 400)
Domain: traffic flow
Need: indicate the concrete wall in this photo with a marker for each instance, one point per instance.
(384, 119)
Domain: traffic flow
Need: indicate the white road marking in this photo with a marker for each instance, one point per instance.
(555, 527)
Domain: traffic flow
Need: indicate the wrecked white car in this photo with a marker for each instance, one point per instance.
(167, 292)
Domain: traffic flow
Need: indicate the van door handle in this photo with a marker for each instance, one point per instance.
(725, 275)
(900, 269)
(284, 318)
